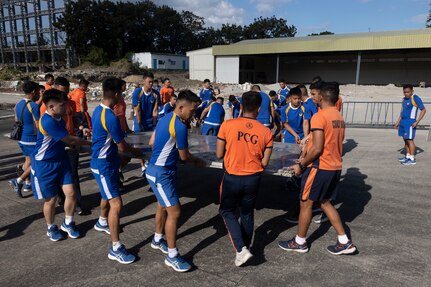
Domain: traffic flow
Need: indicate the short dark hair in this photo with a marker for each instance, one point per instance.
(174, 96)
(213, 98)
(61, 81)
(251, 101)
(187, 96)
(330, 91)
(166, 79)
(41, 87)
(316, 79)
(84, 82)
(49, 76)
(207, 81)
(295, 91)
(54, 95)
(111, 86)
(255, 87)
(220, 98)
(155, 81)
(316, 85)
(29, 86)
(272, 93)
(282, 81)
(232, 98)
(147, 74)
(123, 82)
(408, 86)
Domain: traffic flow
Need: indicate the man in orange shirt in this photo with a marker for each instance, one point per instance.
(167, 91)
(245, 146)
(78, 96)
(49, 81)
(321, 167)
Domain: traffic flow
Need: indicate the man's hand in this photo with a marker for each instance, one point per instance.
(296, 168)
(396, 125)
(86, 132)
(297, 139)
(414, 124)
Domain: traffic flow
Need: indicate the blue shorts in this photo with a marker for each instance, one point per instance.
(107, 177)
(318, 184)
(147, 125)
(210, 130)
(27, 148)
(406, 130)
(48, 177)
(163, 182)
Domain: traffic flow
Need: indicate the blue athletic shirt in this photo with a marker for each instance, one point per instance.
(410, 107)
(236, 107)
(31, 114)
(171, 135)
(310, 108)
(294, 117)
(146, 103)
(201, 108)
(107, 133)
(205, 94)
(284, 92)
(264, 116)
(49, 146)
(215, 115)
(166, 109)
(280, 101)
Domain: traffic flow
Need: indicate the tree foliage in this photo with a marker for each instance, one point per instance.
(428, 23)
(321, 33)
(101, 31)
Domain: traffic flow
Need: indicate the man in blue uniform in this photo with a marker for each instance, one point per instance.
(408, 121)
(310, 108)
(234, 106)
(50, 167)
(168, 107)
(284, 91)
(108, 138)
(27, 111)
(292, 117)
(145, 105)
(213, 117)
(266, 112)
(206, 93)
(169, 142)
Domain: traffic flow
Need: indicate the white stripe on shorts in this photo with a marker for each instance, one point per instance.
(410, 132)
(95, 171)
(163, 195)
(105, 187)
(37, 187)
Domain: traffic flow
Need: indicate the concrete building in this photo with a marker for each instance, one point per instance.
(363, 58)
(27, 35)
(160, 61)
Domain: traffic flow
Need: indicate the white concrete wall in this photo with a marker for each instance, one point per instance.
(227, 69)
(164, 62)
(201, 64)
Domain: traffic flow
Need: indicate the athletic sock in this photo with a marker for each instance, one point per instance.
(116, 245)
(19, 180)
(49, 225)
(172, 252)
(103, 221)
(157, 237)
(412, 157)
(300, 240)
(68, 219)
(408, 155)
(343, 239)
(28, 182)
(143, 168)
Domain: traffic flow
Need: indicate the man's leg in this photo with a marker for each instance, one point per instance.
(160, 219)
(411, 147)
(49, 210)
(305, 216)
(115, 205)
(68, 224)
(247, 204)
(407, 147)
(171, 224)
(333, 216)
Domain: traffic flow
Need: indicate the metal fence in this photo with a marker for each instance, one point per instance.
(376, 114)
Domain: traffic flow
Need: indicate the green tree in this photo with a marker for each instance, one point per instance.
(269, 28)
(321, 33)
(428, 23)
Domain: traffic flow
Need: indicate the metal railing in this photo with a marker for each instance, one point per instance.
(376, 114)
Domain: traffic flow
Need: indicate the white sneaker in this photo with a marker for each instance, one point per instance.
(242, 257)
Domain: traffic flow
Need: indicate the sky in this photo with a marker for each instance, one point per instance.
(312, 16)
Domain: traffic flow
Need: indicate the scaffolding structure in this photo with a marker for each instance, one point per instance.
(28, 37)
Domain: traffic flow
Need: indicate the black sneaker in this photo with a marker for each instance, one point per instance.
(291, 245)
(120, 174)
(339, 248)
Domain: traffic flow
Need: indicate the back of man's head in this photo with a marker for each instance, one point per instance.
(187, 96)
(49, 76)
(147, 74)
(255, 88)
(251, 101)
(330, 92)
(29, 86)
(61, 81)
(316, 85)
(111, 86)
(54, 95)
(84, 83)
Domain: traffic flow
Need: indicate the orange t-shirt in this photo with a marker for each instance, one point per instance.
(70, 117)
(47, 87)
(246, 141)
(331, 122)
(120, 112)
(42, 109)
(166, 93)
(339, 103)
(76, 95)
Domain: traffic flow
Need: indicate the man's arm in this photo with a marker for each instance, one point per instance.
(421, 115)
(155, 112)
(397, 124)
(75, 141)
(152, 138)
(185, 155)
(306, 127)
(203, 115)
(124, 146)
(220, 148)
(138, 116)
(83, 106)
(312, 153)
(266, 156)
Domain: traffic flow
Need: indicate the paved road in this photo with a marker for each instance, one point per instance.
(386, 208)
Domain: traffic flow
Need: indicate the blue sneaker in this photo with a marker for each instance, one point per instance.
(402, 159)
(54, 234)
(70, 229)
(339, 248)
(291, 245)
(102, 228)
(17, 187)
(409, 161)
(27, 187)
(178, 263)
(121, 255)
(162, 245)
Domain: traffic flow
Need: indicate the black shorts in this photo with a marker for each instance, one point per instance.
(318, 184)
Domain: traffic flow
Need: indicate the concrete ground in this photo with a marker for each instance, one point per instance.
(385, 207)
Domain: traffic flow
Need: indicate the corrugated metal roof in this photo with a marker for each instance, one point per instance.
(404, 39)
